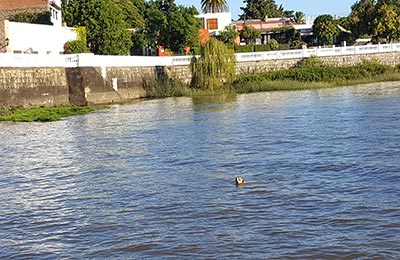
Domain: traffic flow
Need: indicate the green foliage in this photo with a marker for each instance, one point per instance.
(256, 9)
(214, 6)
(215, 67)
(298, 17)
(75, 46)
(361, 17)
(171, 26)
(138, 41)
(132, 13)
(37, 18)
(284, 47)
(228, 35)
(387, 22)
(250, 34)
(325, 29)
(262, 47)
(105, 25)
(163, 87)
(377, 18)
(79, 45)
(287, 32)
(273, 44)
(311, 62)
(43, 114)
(297, 44)
(312, 70)
(244, 48)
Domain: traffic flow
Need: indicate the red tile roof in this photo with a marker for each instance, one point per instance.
(22, 4)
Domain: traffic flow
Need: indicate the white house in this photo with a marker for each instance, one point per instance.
(215, 22)
(34, 38)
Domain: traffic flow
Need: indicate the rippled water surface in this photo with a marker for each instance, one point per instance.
(154, 180)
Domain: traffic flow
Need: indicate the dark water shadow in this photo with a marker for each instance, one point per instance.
(214, 103)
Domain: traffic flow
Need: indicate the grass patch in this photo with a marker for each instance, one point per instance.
(43, 114)
(314, 75)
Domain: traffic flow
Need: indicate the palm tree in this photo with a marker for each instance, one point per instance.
(214, 6)
(298, 17)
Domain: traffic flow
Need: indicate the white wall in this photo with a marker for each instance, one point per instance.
(224, 19)
(55, 12)
(43, 39)
(91, 60)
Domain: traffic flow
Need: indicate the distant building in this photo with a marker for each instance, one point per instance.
(9, 8)
(33, 38)
(215, 22)
(267, 26)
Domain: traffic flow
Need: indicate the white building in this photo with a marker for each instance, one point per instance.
(215, 22)
(37, 38)
(34, 38)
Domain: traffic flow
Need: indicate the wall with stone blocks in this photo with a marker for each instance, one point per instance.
(30, 87)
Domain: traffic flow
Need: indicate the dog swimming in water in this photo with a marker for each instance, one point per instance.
(239, 181)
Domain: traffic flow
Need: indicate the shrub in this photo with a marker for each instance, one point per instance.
(273, 44)
(284, 47)
(262, 47)
(313, 70)
(244, 48)
(311, 62)
(297, 44)
(76, 46)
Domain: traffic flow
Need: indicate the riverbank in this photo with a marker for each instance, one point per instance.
(43, 114)
(310, 75)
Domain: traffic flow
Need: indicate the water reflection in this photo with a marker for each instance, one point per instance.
(214, 103)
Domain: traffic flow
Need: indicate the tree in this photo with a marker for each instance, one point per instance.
(361, 18)
(171, 26)
(37, 18)
(215, 67)
(260, 9)
(214, 6)
(250, 34)
(387, 23)
(104, 22)
(298, 17)
(325, 29)
(287, 13)
(228, 35)
(132, 13)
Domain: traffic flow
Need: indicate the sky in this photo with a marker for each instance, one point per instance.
(312, 8)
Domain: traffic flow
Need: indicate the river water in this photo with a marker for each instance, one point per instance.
(155, 179)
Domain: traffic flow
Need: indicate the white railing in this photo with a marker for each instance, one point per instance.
(91, 60)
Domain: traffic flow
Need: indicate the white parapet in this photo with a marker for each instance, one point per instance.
(91, 60)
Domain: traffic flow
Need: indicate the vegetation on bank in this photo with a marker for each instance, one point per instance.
(43, 114)
(310, 74)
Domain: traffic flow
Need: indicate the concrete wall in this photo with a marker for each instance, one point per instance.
(29, 87)
(32, 87)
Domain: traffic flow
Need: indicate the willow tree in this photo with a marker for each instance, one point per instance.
(215, 67)
(214, 6)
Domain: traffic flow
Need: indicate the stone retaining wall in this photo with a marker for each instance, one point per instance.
(30, 87)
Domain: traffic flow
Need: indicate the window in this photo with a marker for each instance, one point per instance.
(212, 24)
